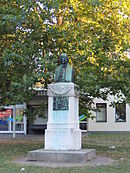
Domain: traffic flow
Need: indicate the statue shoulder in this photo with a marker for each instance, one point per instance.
(69, 66)
(58, 68)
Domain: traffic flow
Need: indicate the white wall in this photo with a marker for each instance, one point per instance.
(110, 125)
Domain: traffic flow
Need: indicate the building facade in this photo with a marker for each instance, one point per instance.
(108, 117)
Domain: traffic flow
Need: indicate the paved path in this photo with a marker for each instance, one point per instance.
(19, 136)
(26, 137)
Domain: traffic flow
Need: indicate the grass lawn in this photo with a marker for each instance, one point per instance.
(13, 148)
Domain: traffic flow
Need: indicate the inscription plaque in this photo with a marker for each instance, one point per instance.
(60, 103)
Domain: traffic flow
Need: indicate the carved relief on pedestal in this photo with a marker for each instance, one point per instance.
(60, 89)
(60, 103)
(67, 90)
(63, 90)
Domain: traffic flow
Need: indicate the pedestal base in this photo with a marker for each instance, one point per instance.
(63, 139)
(63, 131)
(50, 156)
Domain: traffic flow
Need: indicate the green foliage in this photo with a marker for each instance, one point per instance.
(94, 34)
(23, 41)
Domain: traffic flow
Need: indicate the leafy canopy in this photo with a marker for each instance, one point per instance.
(94, 34)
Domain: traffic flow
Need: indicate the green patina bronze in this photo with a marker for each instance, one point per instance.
(64, 72)
(60, 103)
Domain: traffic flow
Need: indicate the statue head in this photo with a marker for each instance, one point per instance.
(64, 72)
(64, 59)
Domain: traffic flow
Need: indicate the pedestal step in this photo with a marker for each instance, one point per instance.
(52, 156)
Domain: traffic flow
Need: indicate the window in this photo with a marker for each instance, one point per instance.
(83, 122)
(120, 112)
(101, 113)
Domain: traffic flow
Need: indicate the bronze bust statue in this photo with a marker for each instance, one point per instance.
(64, 72)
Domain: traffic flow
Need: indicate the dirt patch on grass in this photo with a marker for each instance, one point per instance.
(97, 161)
(5, 142)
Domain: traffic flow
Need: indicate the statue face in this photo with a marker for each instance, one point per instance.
(63, 59)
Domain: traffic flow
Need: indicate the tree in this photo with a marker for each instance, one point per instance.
(23, 41)
(97, 39)
(94, 34)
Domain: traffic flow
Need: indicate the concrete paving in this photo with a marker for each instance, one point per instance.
(20, 136)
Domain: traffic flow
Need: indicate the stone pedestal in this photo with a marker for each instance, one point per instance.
(54, 156)
(63, 136)
(63, 131)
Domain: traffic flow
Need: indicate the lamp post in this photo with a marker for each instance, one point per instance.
(14, 115)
